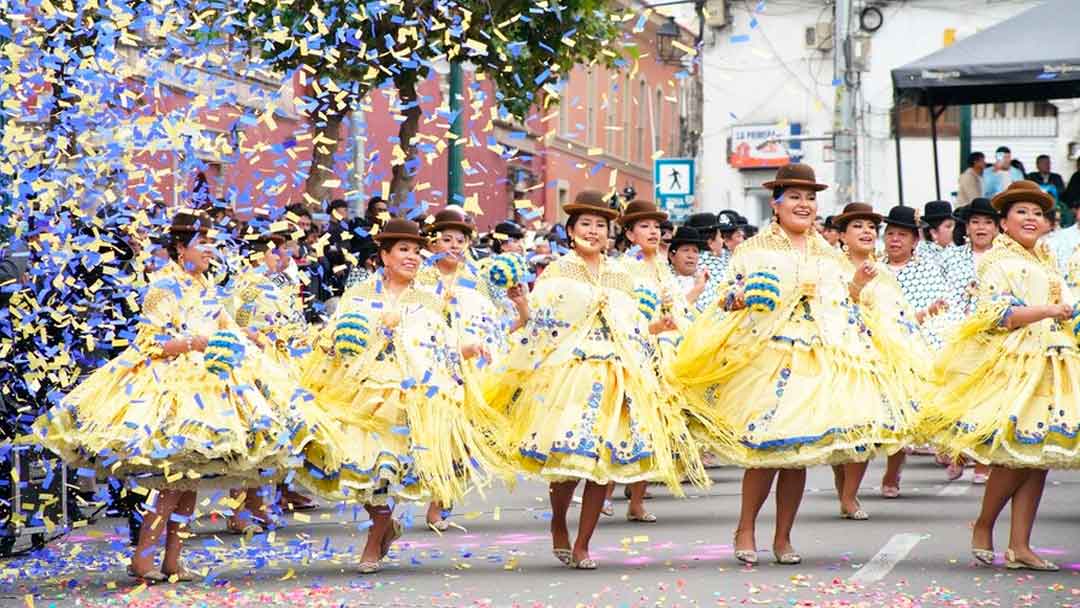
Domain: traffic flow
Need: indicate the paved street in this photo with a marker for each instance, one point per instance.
(913, 552)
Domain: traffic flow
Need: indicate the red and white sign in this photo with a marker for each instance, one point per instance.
(761, 146)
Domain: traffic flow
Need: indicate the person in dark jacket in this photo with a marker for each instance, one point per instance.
(1055, 187)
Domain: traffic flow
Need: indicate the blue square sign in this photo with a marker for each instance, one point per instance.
(673, 177)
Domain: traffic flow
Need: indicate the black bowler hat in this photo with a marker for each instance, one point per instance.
(936, 212)
(702, 222)
(728, 221)
(978, 206)
(686, 235)
(508, 229)
(904, 217)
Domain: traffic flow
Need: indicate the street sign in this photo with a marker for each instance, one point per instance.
(678, 208)
(673, 177)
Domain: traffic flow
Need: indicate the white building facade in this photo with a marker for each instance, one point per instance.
(769, 73)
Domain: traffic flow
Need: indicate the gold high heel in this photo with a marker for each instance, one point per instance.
(1014, 564)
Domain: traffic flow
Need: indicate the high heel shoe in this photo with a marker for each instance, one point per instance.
(152, 576)
(439, 526)
(563, 555)
(985, 556)
(857, 515)
(586, 564)
(789, 558)
(1014, 564)
(746, 556)
(182, 575)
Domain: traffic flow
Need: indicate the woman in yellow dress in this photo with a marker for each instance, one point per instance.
(668, 314)
(389, 371)
(895, 327)
(785, 359)
(471, 311)
(579, 388)
(1004, 390)
(192, 399)
(266, 303)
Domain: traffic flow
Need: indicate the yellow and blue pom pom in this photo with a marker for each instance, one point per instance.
(1074, 323)
(647, 302)
(762, 292)
(507, 270)
(351, 333)
(223, 354)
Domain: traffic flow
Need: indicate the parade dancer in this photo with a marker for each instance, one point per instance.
(666, 310)
(194, 401)
(1004, 389)
(388, 370)
(267, 303)
(770, 355)
(923, 283)
(894, 325)
(937, 233)
(583, 401)
(981, 227)
(471, 310)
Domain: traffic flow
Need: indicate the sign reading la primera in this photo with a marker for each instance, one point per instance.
(764, 146)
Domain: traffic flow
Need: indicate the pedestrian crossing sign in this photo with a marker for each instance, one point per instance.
(673, 177)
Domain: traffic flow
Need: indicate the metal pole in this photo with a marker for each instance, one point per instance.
(358, 126)
(933, 138)
(844, 111)
(453, 177)
(899, 162)
(965, 136)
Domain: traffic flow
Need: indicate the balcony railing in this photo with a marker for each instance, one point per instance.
(1034, 126)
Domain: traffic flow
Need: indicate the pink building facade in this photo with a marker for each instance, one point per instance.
(609, 126)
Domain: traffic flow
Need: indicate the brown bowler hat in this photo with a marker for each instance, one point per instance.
(591, 201)
(189, 222)
(452, 218)
(641, 210)
(1023, 191)
(398, 229)
(856, 211)
(795, 175)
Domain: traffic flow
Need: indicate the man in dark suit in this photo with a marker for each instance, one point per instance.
(1054, 185)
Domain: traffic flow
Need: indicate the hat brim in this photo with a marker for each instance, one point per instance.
(916, 226)
(462, 226)
(841, 221)
(399, 236)
(578, 209)
(189, 230)
(794, 183)
(966, 214)
(659, 216)
(676, 244)
(1040, 198)
(938, 218)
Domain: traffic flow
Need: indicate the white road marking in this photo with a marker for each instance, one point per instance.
(955, 489)
(891, 554)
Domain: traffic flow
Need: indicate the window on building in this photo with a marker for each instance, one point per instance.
(627, 97)
(590, 107)
(658, 121)
(1025, 109)
(915, 122)
(675, 132)
(1042, 109)
(642, 121)
(562, 197)
(565, 103)
(610, 114)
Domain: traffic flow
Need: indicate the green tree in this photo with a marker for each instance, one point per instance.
(345, 49)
